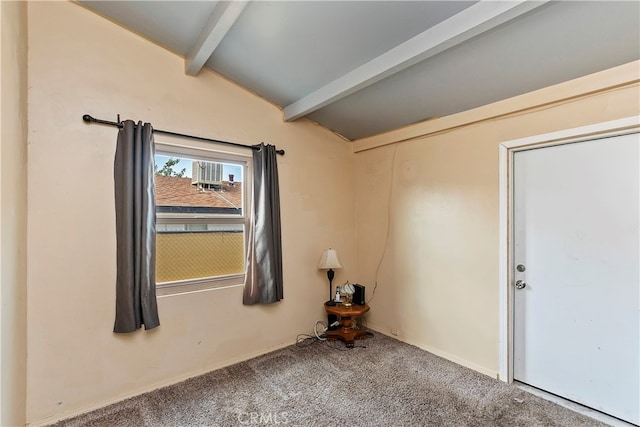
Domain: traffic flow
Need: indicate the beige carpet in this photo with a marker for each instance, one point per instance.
(380, 382)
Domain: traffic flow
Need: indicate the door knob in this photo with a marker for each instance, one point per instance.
(520, 284)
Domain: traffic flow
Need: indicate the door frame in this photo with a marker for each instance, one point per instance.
(507, 150)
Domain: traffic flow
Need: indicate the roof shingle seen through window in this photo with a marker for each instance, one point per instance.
(174, 191)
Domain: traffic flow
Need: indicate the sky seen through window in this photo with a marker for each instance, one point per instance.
(235, 170)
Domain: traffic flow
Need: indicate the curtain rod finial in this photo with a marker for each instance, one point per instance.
(87, 118)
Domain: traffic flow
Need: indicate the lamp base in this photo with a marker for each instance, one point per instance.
(330, 302)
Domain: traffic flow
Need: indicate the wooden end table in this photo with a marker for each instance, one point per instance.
(346, 333)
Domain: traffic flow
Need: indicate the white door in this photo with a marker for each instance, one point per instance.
(577, 240)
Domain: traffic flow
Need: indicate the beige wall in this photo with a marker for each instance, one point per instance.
(80, 63)
(13, 212)
(438, 280)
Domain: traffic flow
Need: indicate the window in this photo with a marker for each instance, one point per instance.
(201, 217)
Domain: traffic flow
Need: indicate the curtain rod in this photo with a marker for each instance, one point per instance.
(87, 118)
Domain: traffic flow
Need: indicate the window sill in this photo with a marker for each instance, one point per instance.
(175, 288)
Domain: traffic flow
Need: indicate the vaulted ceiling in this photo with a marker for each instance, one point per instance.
(361, 68)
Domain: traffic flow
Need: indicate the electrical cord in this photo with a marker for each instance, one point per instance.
(338, 345)
(386, 239)
(323, 336)
(303, 340)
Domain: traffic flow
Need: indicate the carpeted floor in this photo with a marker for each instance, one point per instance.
(380, 382)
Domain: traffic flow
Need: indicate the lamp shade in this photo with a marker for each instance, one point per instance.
(329, 259)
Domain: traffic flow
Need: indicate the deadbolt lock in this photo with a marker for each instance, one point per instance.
(521, 268)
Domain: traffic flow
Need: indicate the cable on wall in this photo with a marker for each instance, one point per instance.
(389, 211)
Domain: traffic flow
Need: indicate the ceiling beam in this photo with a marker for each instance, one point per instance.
(220, 22)
(475, 20)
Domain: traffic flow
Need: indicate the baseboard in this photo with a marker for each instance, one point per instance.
(73, 412)
(436, 351)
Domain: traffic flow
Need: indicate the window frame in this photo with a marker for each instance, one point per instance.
(197, 150)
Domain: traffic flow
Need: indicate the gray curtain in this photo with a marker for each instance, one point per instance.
(263, 283)
(135, 228)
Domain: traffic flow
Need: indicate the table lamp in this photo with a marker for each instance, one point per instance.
(328, 262)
